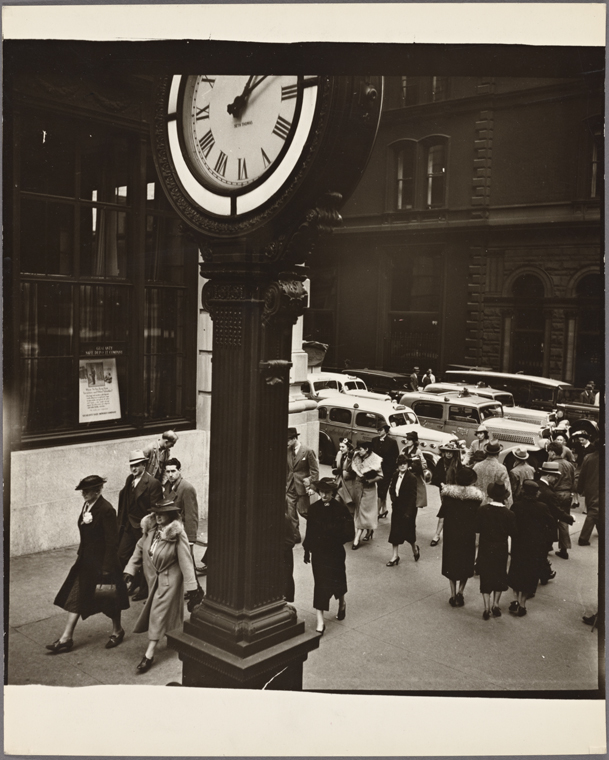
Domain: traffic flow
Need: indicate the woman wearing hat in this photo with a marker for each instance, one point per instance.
(367, 468)
(343, 473)
(418, 466)
(495, 524)
(478, 444)
(535, 527)
(460, 502)
(329, 526)
(445, 472)
(403, 492)
(520, 472)
(164, 554)
(96, 563)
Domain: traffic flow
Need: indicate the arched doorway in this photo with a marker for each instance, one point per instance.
(589, 347)
(528, 325)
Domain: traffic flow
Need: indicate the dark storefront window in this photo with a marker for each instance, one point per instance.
(414, 334)
(100, 280)
(590, 345)
(529, 325)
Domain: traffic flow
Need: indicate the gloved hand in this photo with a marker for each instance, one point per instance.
(194, 598)
(307, 558)
(127, 578)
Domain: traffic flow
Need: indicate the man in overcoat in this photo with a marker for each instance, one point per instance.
(302, 470)
(184, 495)
(140, 492)
(490, 471)
(550, 475)
(387, 448)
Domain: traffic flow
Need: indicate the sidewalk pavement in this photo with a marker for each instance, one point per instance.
(399, 632)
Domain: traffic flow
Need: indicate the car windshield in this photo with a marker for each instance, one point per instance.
(321, 385)
(492, 410)
(402, 418)
(355, 385)
(505, 398)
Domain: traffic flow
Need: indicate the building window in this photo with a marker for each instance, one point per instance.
(597, 163)
(102, 280)
(528, 325)
(409, 91)
(406, 169)
(418, 171)
(439, 88)
(589, 341)
(436, 175)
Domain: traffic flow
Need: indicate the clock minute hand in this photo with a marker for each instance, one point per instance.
(236, 107)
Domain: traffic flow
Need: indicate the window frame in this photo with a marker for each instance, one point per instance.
(134, 421)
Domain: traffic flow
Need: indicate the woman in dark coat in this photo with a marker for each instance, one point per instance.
(495, 523)
(534, 528)
(96, 562)
(403, 492)
(329, 526)
(460, 502)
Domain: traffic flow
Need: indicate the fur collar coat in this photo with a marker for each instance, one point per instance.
(464, 493)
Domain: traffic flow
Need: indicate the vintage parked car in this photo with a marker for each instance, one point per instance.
(528, 390)
(572, 408)
(461, 416)
(358, 419)
(510, 410)
(322, 384)
(393, 383)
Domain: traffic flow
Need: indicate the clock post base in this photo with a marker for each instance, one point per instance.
(278, 667)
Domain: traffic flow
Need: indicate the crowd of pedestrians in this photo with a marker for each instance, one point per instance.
(495, 523)
(145, 551)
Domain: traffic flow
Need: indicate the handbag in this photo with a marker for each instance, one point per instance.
(105, 592)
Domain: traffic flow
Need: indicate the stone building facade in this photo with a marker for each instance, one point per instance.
(475, 236)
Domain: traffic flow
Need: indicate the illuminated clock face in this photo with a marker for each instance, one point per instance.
(236, 139)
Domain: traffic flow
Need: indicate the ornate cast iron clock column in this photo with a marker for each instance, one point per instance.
(257, 167)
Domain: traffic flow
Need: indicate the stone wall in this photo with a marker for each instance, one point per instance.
(44, 504)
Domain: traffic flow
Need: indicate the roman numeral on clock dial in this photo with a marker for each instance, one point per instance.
(282, 127)
(207, 142)
(265, 159)
(202, 113)
(220, 166)
(241, 169)
(289, 92)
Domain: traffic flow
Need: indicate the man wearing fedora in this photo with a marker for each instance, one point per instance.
(387, 448)
(549, 476)
(490, 471)
(302, 470)
(520, 472)
(140, 492)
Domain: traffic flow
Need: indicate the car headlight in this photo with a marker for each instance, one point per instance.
(432, 445)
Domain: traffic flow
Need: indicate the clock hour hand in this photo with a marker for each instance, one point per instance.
(236, 107)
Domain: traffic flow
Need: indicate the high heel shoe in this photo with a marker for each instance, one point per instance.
(145, 664)
(321, 633)
(383, 514)
(369, 535)
(342, 611)
(355, 546)
(60, 646)
(393, 562)
(115, 639)
(417, 553)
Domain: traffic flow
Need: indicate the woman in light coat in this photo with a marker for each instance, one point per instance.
(343, 473)
(367, 468)
(418, 466)
(164, 553)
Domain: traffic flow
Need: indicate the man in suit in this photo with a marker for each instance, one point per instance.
(184, 496)
(302, 470)
(387, 448)
(550, 476)
(158, 452)
(140, 492)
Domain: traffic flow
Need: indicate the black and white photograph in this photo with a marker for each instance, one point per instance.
(304, 372)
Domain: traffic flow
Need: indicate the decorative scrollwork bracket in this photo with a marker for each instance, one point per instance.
(275, 371)
(284, 300)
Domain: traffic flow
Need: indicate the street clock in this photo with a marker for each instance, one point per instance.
(245, 154)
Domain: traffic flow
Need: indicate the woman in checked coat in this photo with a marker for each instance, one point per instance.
(164, 553)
